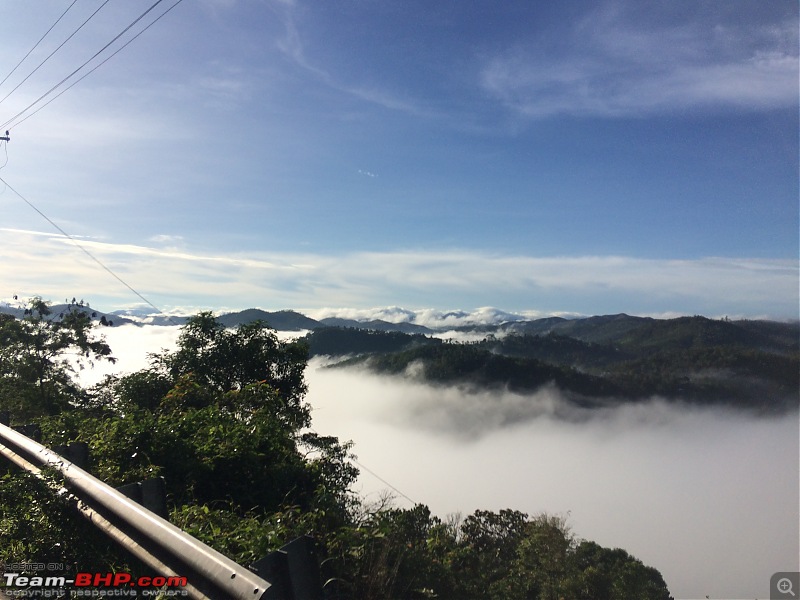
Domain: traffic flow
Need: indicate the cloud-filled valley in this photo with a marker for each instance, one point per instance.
(708, 496)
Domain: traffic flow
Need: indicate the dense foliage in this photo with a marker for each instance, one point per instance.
(470, 363)
(39, 354)
(753, 365)
(338, 341)
(223, 420)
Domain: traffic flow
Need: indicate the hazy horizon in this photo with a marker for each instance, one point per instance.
(434, 318)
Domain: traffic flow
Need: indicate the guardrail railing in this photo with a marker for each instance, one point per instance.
(156, 542)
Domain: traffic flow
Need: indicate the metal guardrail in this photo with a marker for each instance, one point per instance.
(153, 540)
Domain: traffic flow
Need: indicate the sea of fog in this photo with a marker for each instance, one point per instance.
(709, 497)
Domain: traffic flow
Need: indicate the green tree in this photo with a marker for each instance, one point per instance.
(227, 359)
(487, 548)
(543, 566)
(39, 354)
(222, 419)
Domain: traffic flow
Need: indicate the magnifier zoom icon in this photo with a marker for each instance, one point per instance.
(784, 586)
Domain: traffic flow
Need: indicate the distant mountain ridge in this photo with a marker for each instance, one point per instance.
(597, 360)
(594, 329)
(282, 320)
(376, 325)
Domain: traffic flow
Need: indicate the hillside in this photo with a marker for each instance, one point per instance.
(754, 365)
(376, 325)
(340, 341)
(223, 424)
(283, 320)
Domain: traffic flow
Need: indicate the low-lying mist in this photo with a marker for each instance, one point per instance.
(709, 497)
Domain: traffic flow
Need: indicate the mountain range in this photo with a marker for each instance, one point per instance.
(597, 360)
(750, 363)
(598, 329)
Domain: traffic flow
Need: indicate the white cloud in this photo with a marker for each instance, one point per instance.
(131, 346)
(428, 317)
(614, 66)
(51, 266)
(392, 314)
(292, 46)
(164, 238)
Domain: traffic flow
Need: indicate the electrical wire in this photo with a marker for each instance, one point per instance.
(48, 92)
(37, 43)
(371, 472)
(28, 202)
(84, 76)
(53, 223)
(382, 480)
(86, 251)
(54, 51)
(159, 311)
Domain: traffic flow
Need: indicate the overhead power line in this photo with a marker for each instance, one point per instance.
(382, 480)
(28, 202)
(93, 69)
(22, 60)
(54, 51)
(371, 472)
(95, 55)
(85, 250)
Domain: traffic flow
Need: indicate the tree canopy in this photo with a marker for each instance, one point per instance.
(223, 419)
(39, 355)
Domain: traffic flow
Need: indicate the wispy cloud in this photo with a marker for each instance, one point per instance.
(167, 239)
(292, 46)
(384, 98)
(613, 65)
(50, 265)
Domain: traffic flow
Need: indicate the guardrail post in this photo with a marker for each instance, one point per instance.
(75, 452)
(294, 568)
(31, 430)
(151, 493)
(304, 568)
(274, 567)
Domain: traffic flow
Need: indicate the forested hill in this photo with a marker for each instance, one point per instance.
(753, 364)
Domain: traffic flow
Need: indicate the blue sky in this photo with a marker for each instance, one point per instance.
(581, 157)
